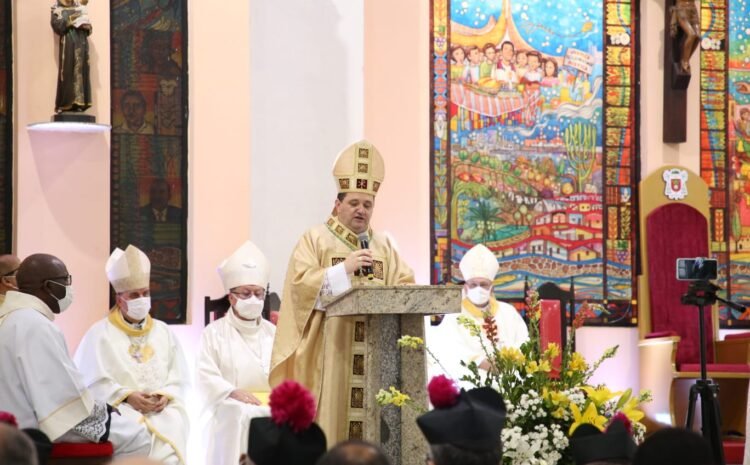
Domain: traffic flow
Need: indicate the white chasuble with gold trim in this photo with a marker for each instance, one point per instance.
(117, 359)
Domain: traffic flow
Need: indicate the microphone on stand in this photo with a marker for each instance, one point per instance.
(364, 244)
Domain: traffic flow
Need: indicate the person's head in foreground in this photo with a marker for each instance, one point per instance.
(613, 446)
(674, 446)
(16, 448)
(16, 452)
(465, 426)
(354, 452)
(288, 436)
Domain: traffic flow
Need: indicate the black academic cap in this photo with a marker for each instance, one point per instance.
(272, 444)
(674, 446)
(42, 444)
(589, 444)
(474, 422)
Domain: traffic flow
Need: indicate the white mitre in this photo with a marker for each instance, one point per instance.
(129, 269)
(246, 266)
(479, 262)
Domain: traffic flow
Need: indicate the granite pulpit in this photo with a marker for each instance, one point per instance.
(383, 314)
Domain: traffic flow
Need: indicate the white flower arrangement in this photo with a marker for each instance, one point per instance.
(543, 409)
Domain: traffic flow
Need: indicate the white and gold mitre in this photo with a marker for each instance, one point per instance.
(129, 269)
(479, 262)
(246, 266)
(359, 168)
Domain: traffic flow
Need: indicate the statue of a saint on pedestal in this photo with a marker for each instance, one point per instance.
(70, 20)
(684, 18)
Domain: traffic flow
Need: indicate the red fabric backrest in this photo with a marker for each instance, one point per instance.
(675, 231)
(550, 331)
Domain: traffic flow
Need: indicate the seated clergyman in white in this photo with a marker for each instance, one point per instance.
(235, 357)
(451, 342)
(134, 361)
(39, 383)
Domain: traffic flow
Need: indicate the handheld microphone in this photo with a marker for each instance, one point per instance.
(364, 244)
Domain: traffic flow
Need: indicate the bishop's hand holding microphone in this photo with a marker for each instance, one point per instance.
(364, 243)
(360, 259)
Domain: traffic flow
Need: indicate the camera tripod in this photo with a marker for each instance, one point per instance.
(702, 294)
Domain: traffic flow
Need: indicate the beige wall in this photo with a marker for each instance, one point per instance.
(63, 180)
(397, 93)
(655, 153)
(296, 132)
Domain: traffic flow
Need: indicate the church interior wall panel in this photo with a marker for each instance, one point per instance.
(149, 144)
(397, 99)
(302, 116)
(61, 187)
(6, 127)
(537, 156)
(725, 146)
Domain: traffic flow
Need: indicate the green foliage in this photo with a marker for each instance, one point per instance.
(580, 143)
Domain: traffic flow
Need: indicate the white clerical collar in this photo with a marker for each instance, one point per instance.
(15, 300)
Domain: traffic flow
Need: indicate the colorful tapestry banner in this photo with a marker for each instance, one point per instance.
(534, 146)
(6, 127)
(149, 143)
(725, 145)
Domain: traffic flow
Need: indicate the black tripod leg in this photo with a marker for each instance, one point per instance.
(692, 398)
(711, 421)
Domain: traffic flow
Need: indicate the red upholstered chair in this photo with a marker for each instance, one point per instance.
(64, 453)
(669, 331)
(567, 299)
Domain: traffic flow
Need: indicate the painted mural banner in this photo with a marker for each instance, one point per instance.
(725, 146)
(149, 144)
(6, 127)
(534, 153)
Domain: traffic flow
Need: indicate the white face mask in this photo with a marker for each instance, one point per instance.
(249, 309)
(478, 295)
(65, 302)
(138, 308)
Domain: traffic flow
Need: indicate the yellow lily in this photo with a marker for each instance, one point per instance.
(553, 350)
(399, 398)
(590, 415)
(532, 367)
(558, 398)
(512, 355)
(411, 342)
(630, 410)
(601, 395)
(577, 362)
(555, 398)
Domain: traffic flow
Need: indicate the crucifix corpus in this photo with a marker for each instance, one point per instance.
(682, 22)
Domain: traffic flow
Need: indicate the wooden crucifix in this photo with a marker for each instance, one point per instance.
(681, 39)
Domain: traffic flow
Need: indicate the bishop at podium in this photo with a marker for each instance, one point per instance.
(326, 355)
